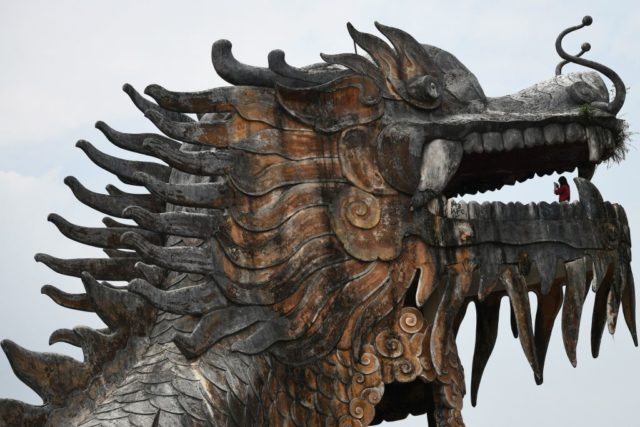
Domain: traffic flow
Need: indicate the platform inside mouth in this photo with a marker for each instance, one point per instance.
(497, 158)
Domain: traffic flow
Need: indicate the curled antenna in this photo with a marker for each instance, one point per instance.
(612, 107)
(586, 47)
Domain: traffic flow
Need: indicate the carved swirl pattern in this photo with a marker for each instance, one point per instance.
(361, 209)
(402, 352)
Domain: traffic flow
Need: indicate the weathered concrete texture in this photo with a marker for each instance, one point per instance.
(296, 259)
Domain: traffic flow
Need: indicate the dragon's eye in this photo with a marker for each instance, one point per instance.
(424, 88)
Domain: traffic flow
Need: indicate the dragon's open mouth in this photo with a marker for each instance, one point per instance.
(497, 158)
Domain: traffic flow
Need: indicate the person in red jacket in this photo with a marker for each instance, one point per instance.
(561, 188)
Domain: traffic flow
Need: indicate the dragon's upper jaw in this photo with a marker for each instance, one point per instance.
(495, 158)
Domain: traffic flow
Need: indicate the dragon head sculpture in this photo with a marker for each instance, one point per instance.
(299, 258)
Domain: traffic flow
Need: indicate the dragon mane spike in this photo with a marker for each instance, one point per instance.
(152, 273)
(487, 317)
(99, 237)
(206, 162)
(67, 336)
(360, 65)
(191, 133)
(239, 74)
(311, 76)
(184, 224)
(213, 195)
(96, 346)
(145, 105)
(53, 377)
(546, 313)
(178, 258)
(112, 204)
(382, 53)
(410, 53)
(80, 302)
(110, 222)
(195, 300)
(130, 141)
(123, 169)
(118, 308)
(103, 268)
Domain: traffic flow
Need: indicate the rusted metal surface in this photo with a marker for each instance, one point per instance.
(297, 262)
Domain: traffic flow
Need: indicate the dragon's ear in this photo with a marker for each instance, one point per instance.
(336, 105)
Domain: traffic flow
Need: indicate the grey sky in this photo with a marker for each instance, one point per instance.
(63, 64)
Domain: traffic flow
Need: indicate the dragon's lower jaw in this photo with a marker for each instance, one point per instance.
(555, 250)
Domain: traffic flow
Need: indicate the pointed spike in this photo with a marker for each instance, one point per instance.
(629, 307)
(514, 324)
(599, 316)
(110, 222)
(65, 335)
(358, 64)
(99, 237)
(516, 286)
(102, 268)
(152, 273)
(133, 142)
(236, 73)
(213, 101)
(193, 133)
(124, 169)
(118, 308)
(575, 294)
(452, 300)
(204, 163)
(53, 377)
(113, 205)
(145, 105)
(80, 302)
(381, 52)
(202, 195)
(410, 52)
(177, 223)
(99, 347)
(548, 308)
(590, 199)
(196, 300)
(487, 317)
(20, 414)
(178, 258)
(279, 65)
